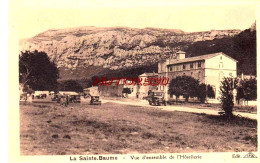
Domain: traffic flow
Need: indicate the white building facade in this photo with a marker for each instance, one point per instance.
(209, 69)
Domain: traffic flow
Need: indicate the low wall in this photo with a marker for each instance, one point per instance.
(248, 103)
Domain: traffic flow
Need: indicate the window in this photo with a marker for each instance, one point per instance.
(221, 75)
(191, 73)
(220, 57)
(191, 65)
(184, 66)
(199, 64)
(177, 68)
(221, 65)
(199, 75)
(170, 68)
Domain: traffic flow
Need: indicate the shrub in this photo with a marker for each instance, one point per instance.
(226, 94)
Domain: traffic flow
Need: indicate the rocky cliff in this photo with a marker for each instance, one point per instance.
(92, 50)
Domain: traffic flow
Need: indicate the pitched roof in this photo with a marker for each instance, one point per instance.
(198, 58)
(149, 74)
(180, 51)
(68, 92)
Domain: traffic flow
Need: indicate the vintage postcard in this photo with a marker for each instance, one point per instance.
(129, 80)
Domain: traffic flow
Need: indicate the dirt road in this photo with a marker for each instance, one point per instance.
(180, 108)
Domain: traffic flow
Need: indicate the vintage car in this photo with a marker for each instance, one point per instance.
(40, 96)
(95, 100)
(156, 98)
(56, 98)
(74, 98)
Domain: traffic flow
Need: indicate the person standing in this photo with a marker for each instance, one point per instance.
(67, 100)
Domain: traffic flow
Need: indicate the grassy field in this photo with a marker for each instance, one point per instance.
(49, 129)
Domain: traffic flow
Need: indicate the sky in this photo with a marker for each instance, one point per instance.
(31, 17)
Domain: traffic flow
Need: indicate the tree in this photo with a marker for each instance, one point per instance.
(70, 85)
(250, 89)
(210, 91)
(247, 89)
(226, 94)
(91, 82)
(37, 71)
(185, 86)
(204, 91)
(240, 93)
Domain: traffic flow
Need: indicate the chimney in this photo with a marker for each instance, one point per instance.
(180, 55)
(172, 56)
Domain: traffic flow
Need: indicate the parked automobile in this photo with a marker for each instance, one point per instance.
(40, 96)
(156, 98)
(86, 95)
(95, 100)
(74, 98)
(56, 97)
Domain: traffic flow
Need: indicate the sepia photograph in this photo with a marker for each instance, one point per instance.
(134, 80)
